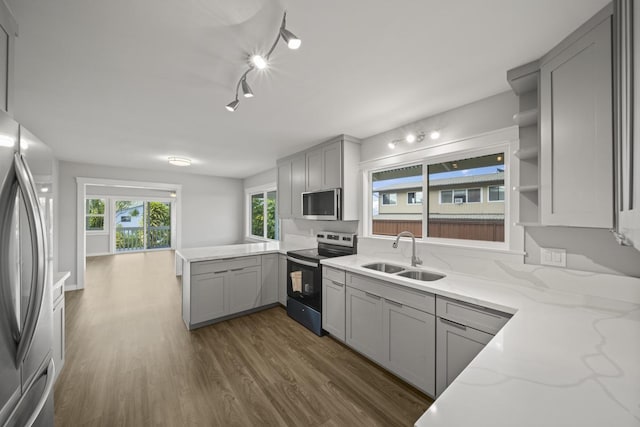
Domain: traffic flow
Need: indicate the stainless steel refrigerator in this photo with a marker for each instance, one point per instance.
(26, 311)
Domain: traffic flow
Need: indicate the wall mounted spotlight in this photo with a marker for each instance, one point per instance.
(434, 135)
(409, 139)
(262, 61)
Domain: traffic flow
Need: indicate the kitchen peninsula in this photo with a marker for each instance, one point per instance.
(221, 282)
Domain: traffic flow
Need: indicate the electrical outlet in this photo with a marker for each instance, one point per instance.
(553, 256)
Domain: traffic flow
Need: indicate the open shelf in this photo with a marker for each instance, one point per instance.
(527, 153)
(526, 188)
(526, 118)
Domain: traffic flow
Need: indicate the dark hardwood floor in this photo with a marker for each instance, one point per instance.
(131, 362)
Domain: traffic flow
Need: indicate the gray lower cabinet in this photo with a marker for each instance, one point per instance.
(457, 346)
(382, 325)
(208, 293)
(244, 289)
(282, 279)
(269, 279)
(333, 307)
(409, 344)
(365, 323)
(220, 288)
(58, 335)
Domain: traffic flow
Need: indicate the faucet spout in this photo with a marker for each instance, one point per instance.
(414, 259)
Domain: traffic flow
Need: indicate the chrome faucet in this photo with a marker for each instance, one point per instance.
(414, 259)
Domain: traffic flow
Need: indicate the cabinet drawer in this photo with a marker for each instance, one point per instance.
(423, 301)
(333, 274)
(480, 318)
(203, 267)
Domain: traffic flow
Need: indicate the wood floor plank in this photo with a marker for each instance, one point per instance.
(131, 362)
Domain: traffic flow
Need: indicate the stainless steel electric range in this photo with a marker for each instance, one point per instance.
(304, 277)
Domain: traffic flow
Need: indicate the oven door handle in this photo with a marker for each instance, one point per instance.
(299, 261)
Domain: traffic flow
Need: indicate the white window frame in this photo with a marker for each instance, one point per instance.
(414, 198)
(387, 204)
(105, 223)
(489, 194)
(249, 192)
(440, 197)
(499, 141)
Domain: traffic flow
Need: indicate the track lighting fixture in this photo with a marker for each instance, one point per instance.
(409, 139)
(261, 62)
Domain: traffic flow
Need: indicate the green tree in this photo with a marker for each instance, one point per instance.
(95, 214)
(257, 215)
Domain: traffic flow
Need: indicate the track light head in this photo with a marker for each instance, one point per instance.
(292, 41)
(259, 62)
(246, 90)
(233, 105)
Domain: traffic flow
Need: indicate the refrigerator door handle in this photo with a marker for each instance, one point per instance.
(38, 271)
(7, 206)
(50, 372)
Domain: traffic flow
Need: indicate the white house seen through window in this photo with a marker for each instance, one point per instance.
(457, 204)
(94, 214)
(264, 220)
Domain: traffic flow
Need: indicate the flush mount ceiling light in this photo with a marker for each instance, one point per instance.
(261, 62)
(179, 161)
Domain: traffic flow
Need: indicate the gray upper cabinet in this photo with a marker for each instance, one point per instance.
(324, 167)
(291, 185)
(8, 32)
(576, 129)
(333, 164)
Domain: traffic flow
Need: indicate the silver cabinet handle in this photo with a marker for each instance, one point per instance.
(237, 269)
(38, 248)
(220, 272)
(397, 304)
(454, 324)
(372, 295)
(337, 283)
(299, 261)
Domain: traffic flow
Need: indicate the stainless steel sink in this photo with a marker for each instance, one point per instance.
(384, 267)
(425, 276)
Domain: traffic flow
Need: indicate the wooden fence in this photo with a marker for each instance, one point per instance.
(487, 230)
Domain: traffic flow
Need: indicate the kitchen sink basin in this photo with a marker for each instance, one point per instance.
(425, 276)
(384, 267)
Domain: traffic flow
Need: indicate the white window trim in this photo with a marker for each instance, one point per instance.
(489, 194)
(248, 192)
(414, 197)
(388, 204)
(502, 140)
(105, 223)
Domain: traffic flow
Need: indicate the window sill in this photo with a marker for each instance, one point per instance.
(255, 239)
(97, 233)
(455, 245)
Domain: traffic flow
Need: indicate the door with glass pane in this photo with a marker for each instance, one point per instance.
(142, 225)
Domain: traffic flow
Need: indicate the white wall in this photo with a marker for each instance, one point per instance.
(212, 207)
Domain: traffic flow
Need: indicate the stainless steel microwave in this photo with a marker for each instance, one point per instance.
(325, 205)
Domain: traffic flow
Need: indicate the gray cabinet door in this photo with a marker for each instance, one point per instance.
(269, 279)
(364, 323)
(333, 308)
(457, 346)
(576, 133)
(332, 166)
(284, 190)
(243, 289)
(282, 279)
(314, 169)
(58, 335)
(208, 292)
(298, 185)
(410, 345)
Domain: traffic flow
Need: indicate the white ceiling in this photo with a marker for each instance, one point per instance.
(129, 83)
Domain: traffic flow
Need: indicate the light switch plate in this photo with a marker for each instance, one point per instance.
(553, 256)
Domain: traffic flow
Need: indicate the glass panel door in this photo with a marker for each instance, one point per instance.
(142, 225)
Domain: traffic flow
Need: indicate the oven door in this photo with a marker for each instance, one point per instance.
(304, 282)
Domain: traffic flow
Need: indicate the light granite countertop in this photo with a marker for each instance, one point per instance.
(231, 251)
(564, 359)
